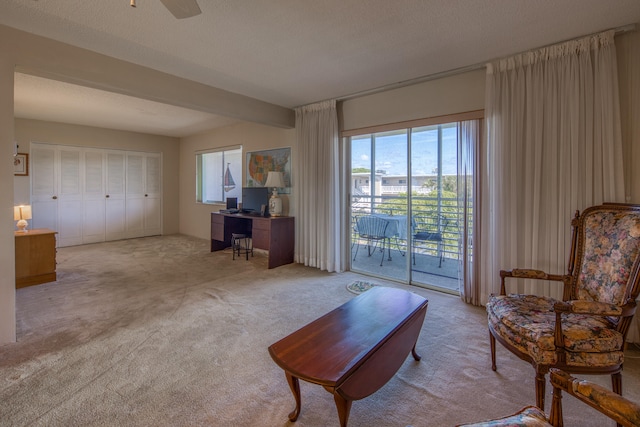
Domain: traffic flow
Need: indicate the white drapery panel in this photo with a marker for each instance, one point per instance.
(468, 144)
(318, 195)
(628, 48)
(553, 146)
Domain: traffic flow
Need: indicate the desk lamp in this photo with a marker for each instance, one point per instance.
(22, 214)
(275, 180)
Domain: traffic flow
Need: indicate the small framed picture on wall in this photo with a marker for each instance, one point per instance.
(21, 164)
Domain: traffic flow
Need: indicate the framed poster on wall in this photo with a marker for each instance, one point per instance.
(21, 164)
(260, 163)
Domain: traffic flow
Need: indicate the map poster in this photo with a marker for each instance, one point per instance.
(260, 163)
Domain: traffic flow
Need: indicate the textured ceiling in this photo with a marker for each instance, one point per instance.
(296, 52)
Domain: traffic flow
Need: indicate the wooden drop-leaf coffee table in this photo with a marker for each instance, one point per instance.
(355, 349)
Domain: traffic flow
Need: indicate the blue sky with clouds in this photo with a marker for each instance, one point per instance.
(391, 152)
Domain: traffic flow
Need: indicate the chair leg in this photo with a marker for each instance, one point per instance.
(616, 383)
(540, 384)
(233, 249)
(388, 247)
(492, 344)
(555, 416)
(398, 246)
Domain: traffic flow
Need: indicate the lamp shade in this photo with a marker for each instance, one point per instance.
(21, 212)
(275, 179)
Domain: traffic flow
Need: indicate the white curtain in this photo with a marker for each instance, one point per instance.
(628, 49)
(553, 146)
(318, 195)
(468, 144)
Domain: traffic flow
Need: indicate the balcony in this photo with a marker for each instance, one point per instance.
(437, 262)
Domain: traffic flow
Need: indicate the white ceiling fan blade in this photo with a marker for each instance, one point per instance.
(182, 8)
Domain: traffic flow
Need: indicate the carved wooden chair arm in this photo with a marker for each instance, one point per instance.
(525, 273)
(588, 307)
(592, 308)
(603, 400)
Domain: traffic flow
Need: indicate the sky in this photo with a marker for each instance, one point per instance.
(391, 151)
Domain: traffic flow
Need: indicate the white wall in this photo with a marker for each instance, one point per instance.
(195, 218)
(7, 248)
(449, 95)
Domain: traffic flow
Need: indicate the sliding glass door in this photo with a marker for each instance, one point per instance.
(379, 203)
(434, 244)
(405, 205)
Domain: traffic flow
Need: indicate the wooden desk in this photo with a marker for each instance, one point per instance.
(276, 235)
(35, 257)
(355, 349)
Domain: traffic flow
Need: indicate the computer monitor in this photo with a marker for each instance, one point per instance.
(253, 198)
(232, 203)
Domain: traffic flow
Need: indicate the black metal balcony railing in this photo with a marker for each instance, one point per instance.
(396, 205)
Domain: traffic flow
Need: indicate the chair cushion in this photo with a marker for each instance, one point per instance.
(529, 416)
(528, 321)
(612, 244)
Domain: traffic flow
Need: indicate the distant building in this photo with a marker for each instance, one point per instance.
(391, 184)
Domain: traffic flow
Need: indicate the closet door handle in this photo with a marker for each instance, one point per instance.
(54, 197)
(107, 196)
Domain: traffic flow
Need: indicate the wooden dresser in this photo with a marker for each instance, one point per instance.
(35, 257)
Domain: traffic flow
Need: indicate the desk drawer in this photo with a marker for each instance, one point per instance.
(217, 227)
(261, 232)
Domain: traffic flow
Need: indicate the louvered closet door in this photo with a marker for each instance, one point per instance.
(70, 206)
(94, 197)
(44, 192)
(152, 195)
(115, 196)
(91, 195)
(135, 195)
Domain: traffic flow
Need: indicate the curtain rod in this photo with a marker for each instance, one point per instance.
(455, 71)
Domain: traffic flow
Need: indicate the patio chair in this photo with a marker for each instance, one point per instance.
(619, 409)
(354, 230)
(430, 228)
(586, 331)
(373, 229)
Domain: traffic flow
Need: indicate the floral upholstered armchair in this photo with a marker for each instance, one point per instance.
(586, 331)
(619, 409)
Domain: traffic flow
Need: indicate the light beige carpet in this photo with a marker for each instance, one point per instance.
(161, 332)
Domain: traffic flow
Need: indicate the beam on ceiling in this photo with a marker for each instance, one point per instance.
(48, 58)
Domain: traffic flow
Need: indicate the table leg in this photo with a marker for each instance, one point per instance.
(344, 407)
(294, 385)
(416, 356)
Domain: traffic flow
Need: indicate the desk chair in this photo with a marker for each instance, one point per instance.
(241, 244)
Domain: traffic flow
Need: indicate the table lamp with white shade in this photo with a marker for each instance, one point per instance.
(21, 214)
(275, 180)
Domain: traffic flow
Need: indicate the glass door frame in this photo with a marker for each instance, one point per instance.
(408, 127)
